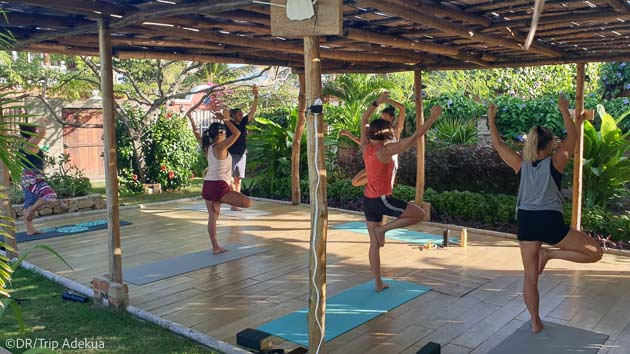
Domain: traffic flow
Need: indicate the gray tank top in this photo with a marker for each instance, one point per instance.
(537, 190)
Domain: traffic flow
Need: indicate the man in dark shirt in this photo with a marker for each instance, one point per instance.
(239, 149)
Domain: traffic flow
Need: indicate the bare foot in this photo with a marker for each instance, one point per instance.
(236, 209)
(382, 287)
(537, 326)
(218, 250)
(543, 258)
(32, 232)
(380, 236)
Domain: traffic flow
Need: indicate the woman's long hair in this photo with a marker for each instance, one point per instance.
(207, 139)
(380, 129)
(538, 139)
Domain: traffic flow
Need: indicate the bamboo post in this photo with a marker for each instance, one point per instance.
(7, 211)
(296, 194)
(417, 89)
(576, 212)
(319, 208)
(111, 168)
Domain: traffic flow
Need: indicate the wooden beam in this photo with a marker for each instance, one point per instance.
(548, 22)
(319, 207)
(591, 58)
(296, 194)
(407, 11)
(15, 19)
(284, 46)
(438, 9)
(197, 57)
(417, 90)
(206, 6)
(576, 208)
(82, 6)
(111, 165)
(619, 5)
(404, 43)
(5, 184)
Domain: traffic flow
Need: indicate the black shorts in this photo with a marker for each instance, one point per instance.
(541, 225)
(375, 208)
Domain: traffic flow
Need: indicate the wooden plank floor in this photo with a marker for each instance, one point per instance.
(476, 302)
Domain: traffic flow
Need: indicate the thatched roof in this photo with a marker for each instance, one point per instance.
(379, 35)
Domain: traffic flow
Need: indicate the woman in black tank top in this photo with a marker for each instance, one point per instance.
(36, 191)
(539, 217)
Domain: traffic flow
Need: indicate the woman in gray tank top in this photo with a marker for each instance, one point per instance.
(539, 204)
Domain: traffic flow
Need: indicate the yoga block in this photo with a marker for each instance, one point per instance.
(253, 339)
(430, 348)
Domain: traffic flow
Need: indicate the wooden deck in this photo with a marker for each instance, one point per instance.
(476, 301)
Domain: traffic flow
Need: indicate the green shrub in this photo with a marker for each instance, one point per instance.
(614, 78)
(606, 169)
(605, 224)
(67, 180)
(453, 131)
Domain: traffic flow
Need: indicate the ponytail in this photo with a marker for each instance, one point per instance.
(537, 139)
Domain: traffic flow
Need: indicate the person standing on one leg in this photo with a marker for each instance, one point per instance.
(216, 185)
(378, 200)
(540, 204)
(33, 182)
(239, 149)
(388, 115)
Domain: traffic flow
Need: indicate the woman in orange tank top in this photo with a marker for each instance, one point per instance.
(378, 200)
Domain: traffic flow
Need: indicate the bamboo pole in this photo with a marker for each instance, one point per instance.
(319, 208)
(111, 168)
(7, 211)
(297, 143)
(576, 211)
(417, 89)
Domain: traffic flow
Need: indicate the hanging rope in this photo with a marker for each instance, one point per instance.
(538, 9)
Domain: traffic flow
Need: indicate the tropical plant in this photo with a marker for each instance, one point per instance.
(270, 147)
(355, 93)
(453, 131)
(606, 169)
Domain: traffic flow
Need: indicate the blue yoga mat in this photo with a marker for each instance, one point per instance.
(403, 235)
(346, 310)
(51, 232)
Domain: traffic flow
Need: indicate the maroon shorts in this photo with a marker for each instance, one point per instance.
(214, 190)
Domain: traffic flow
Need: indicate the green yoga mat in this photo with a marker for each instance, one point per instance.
(403, 235)
(346, 310)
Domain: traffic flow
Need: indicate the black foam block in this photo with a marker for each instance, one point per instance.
(253, 339)
(430, 348)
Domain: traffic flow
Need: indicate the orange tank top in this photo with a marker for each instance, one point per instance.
(379, 175)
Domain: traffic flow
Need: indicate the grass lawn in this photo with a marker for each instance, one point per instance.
(48, 317)
(194, 190)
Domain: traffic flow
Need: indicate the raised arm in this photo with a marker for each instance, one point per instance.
(350, 136)
(400, 123)
(508, 155)
(194, 128)
(222, 147)
(385, 154)
(365, 119)
(252, 111)
(566, 149)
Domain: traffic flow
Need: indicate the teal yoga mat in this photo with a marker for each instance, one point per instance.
(346, 310)
(403, 235)
(64, 230)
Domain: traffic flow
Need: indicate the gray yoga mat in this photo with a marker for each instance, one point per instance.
(554, 339)
(246, 213)
(148, 273)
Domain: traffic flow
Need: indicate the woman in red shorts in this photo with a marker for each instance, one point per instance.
(216, 184)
